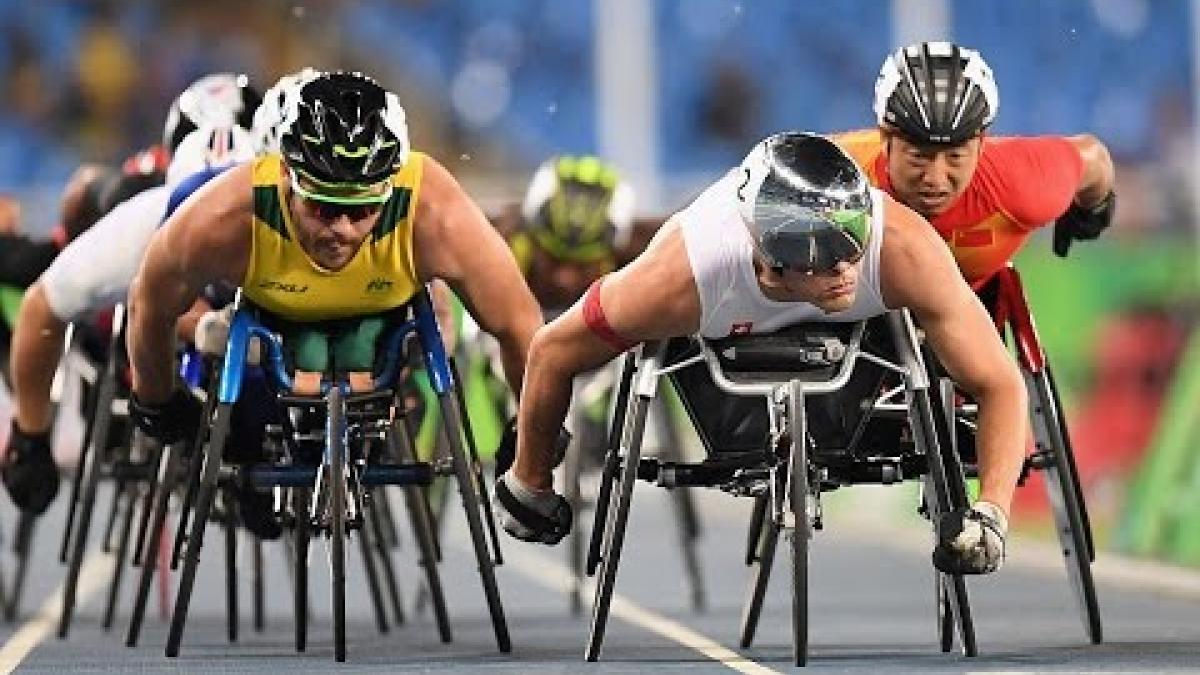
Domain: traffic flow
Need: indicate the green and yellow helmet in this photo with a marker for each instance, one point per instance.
(577, 208)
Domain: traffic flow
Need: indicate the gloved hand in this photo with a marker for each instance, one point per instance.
(532, 515)
(1083, 224)
(971, 541)
(506, 451)
(172, 420)
(212, 335)
(29, 472)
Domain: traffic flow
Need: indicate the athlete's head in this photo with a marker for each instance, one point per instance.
(576, 212)
(213, 100)
(933, 102)
(807, 206)
(269, 117)
(209, 147)
(342, 137)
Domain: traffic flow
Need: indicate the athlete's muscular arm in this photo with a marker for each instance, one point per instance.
(206, 240)
(652, 298)
(36, 345)
(1099, 175)
(453, 241)
(919, 273)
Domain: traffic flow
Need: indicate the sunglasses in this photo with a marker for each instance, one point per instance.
(329, 212)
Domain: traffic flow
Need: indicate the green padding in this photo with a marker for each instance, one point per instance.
(352, 347)
(10, 304)
(1159, 498)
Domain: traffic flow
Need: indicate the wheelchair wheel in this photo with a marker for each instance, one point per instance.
(612, 462)
(190, 486)
(422, 525)
(476, 465)
(336, 476)
(229, 524)
(167, 468)
(259, 587)
(301, 535)
(366, 549)
(380, 548)
(472, 499)
(205, 493)
(89, 479)
(572, 468)
(946, 490)
(123, 542)
(798, 499)
(610, 522)
(760, 575)
(1062, 487)
(22, 545)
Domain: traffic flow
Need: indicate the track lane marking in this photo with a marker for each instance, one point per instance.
(34, 631)
(552, 574)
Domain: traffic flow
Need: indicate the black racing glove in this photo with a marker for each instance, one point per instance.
(172, 420)
(506, 452)
(1083, 223)
(29, 472)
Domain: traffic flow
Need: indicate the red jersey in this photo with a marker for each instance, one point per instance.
(1021, 183)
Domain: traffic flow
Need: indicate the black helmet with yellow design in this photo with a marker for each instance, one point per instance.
(577, 208)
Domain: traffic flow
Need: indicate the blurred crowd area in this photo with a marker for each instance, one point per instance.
(495, 85)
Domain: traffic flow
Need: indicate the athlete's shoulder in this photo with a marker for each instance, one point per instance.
(863, 145)
(1031, 178)
(186, 187)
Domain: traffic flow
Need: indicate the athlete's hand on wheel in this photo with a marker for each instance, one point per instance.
(172, 420)
(1083, 224)
(212, 335)
(971, 541)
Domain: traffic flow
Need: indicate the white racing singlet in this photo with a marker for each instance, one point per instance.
(721, 255)
(96, 269)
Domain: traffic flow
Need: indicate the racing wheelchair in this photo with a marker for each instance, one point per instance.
(1052, 453)
(783, 418)
(333, 450)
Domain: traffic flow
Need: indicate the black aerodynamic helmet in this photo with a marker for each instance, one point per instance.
(342, 128)
(222, 99)
(936, 92)
(806, 204)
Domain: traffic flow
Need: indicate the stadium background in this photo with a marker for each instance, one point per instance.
(675, 91)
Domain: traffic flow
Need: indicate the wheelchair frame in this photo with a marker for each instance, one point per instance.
(335, 501)
(785, 473)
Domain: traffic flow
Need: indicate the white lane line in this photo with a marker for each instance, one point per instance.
(91, 576)
(554, 575)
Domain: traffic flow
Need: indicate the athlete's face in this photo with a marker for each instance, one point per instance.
(331, 233)
(832, 291)
(559, 283)
(930, 178)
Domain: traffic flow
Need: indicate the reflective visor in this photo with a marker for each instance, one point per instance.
(339, 193)
(810, 240)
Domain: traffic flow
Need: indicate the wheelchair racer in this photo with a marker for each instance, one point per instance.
(985, 195)
(94, 272)
(344, 224)
(794, 234)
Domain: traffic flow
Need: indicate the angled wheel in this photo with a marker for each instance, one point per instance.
(612, 462)
(472, 504)
(760, 576)
(1066, 499)
(205, 493)
(797, 497)
(335, 466)
(611, 521)
(387, 570)
(126, 532)
(22, 545)
(167, 468)
(301, 535)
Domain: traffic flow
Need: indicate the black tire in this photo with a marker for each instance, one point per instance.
(146, 512)
(205, 493)
(188, 502)
(754, 533)
(302, 534)
(798, 498)
(489, 518)
(610, 523)
(91, 406)
(259, 587)
(230, 525)
(452, 426)
(931, 421)
(118, 573)
(367, 551)
(572, 468)
(612, 461)
(760, 577)
(166, 479)
(374, 516)
(22, 546)
(421, 522)
(1070, 456)
(945, 614)
(336, 442)
(91, 464)
(1062, 488)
